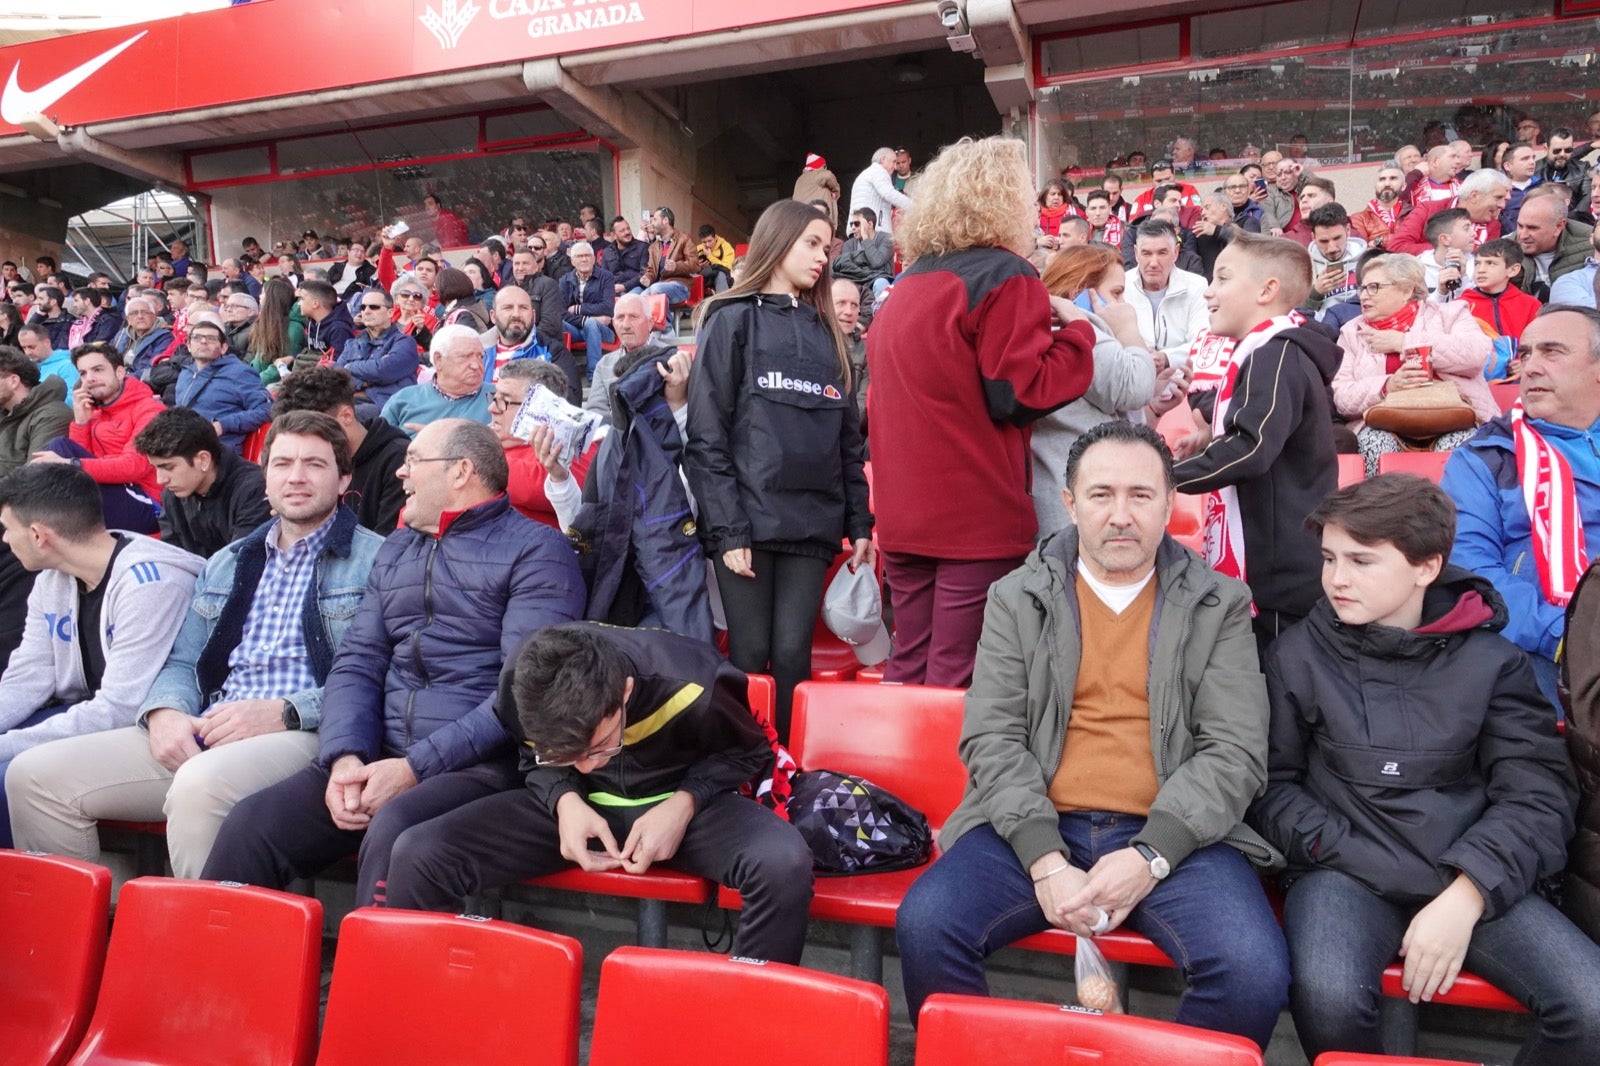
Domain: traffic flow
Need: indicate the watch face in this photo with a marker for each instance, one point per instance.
(1159, 868)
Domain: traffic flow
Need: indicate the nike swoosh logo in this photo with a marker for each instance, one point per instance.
(16, 104)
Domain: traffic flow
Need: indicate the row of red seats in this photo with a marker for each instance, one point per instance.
(200, 973)
(903, 738)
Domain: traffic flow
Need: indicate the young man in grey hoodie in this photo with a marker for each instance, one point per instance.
(102, 616)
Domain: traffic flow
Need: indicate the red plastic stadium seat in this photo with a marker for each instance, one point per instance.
(255, 443)
(201, 973)
(733, 1010)
(899, 737)
(1346, 1058)
(1505, 394)
(697, 291)
(962, 1030)
(416, 989)
(1469, 990)
(1352, 468)
(1176, 424)
(1423, 464)
(52, 946)
(659, 305)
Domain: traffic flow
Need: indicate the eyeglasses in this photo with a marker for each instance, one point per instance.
(413, 461)
(206, 338)
(538, 249)
(237, 307)
(1561, 151)
(408, 296)
(499, 401)
(374, 307)
(546, 759)
(1372, 288)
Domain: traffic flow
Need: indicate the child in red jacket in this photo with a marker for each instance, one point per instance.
(1504, 309)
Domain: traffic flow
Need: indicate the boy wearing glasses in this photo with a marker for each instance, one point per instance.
(634, 744)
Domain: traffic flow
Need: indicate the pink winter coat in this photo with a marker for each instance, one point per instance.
(1460, 351)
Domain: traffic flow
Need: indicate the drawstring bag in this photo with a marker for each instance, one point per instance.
(854, 827)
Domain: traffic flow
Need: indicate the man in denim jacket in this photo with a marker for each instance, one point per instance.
(236, 706)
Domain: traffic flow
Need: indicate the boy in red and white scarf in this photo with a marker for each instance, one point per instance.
(1264, 454)
(1527, 486)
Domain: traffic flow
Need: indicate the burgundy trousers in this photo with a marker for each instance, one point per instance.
(938, 615)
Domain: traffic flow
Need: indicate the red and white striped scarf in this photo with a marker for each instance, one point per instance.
(1387, 215)
(1551, 497)
(1112, 234)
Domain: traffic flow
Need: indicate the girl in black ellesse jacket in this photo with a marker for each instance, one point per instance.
(774, 455)
(1417, 785)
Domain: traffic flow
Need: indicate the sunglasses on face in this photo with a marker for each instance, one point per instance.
(373, 307)
(410, 296)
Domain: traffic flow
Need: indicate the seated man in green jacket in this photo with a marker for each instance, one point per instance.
(1115, 732)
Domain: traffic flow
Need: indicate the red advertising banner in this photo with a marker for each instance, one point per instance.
(274, 48)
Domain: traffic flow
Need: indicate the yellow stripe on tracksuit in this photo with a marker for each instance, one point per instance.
(658, 719)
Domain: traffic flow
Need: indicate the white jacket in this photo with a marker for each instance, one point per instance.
(1182, 316)
(146, 599)
(873, 188)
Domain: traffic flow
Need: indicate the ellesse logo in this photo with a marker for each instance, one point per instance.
(774, 380)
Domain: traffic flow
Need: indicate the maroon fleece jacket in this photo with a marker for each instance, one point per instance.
(962, 361)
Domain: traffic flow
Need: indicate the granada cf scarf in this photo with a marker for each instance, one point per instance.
(1552, 501)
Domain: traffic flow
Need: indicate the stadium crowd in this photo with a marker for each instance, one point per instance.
(289, 565)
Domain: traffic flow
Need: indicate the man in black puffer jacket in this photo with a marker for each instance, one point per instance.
(408, 725)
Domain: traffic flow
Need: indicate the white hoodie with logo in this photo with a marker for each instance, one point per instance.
(146, 599)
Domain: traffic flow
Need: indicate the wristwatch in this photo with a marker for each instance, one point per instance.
(291, 718)
(1159, 867)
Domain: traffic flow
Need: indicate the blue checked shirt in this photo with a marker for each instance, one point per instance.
(271, 661)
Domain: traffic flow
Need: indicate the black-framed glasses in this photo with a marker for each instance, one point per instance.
(1561, 151)
(374, 307)
(499, 401)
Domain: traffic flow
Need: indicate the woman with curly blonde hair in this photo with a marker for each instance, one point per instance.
(963, 361)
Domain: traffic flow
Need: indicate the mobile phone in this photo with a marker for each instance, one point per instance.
(1260, 184)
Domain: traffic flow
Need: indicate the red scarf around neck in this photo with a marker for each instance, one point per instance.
(1401, 320)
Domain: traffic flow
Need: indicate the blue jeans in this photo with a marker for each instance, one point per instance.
(48, 711)
(1210, 915)
(676, 292)
(126, 506)
(593, 334)
(1342, 936)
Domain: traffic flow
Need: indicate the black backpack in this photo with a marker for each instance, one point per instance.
(854, 827)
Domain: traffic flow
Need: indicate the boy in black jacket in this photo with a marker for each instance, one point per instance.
(1264, 455)
(635, 743)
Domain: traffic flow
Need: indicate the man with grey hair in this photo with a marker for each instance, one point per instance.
(588, 295)
(873, 188)
(408, 729)
(143, 337)
(631, 317)
(1554, 244)
(1375, 222)
(1483, 195)
(456, 390)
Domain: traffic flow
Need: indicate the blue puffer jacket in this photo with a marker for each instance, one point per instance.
(227, 392)
(381, 367)
(415, 674)
(1494, 536)
(140, 354)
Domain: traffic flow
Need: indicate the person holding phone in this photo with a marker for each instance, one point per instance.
(1382, 354)
(774, 451)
